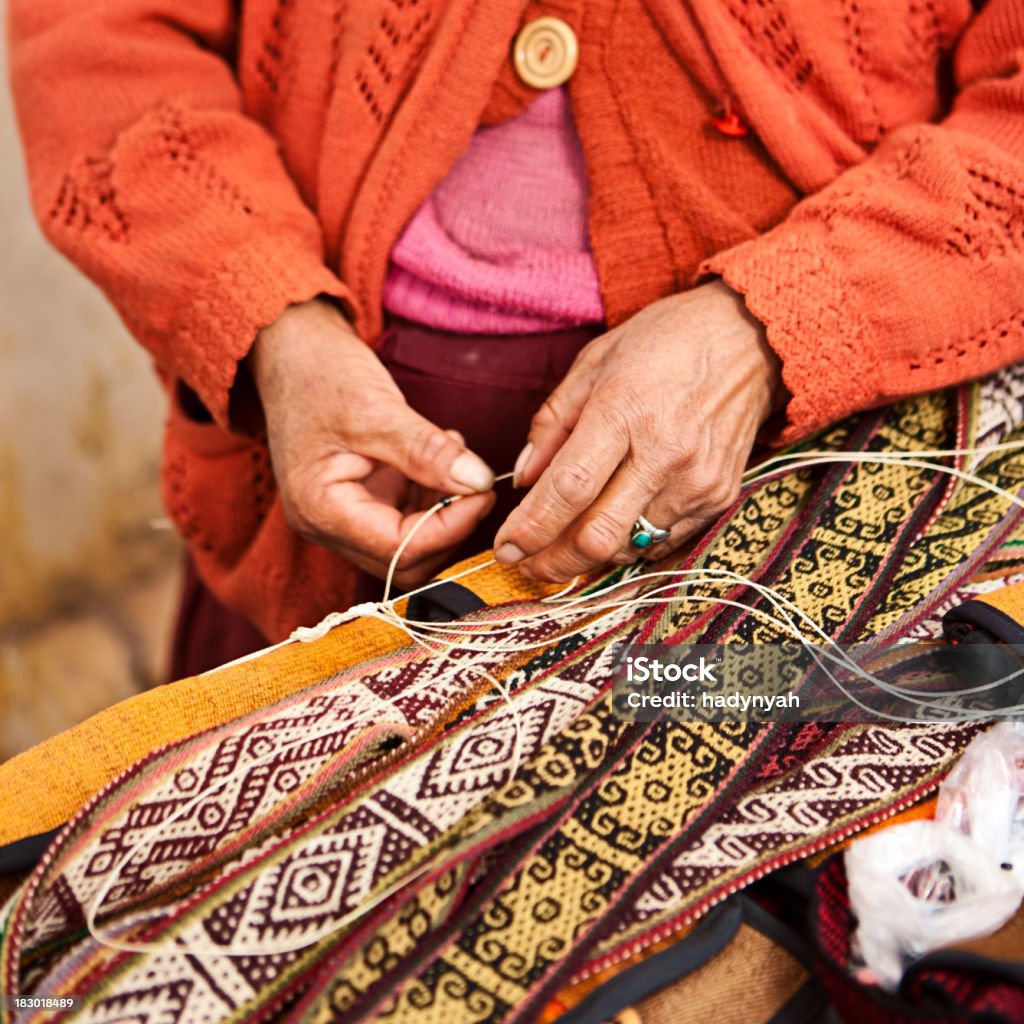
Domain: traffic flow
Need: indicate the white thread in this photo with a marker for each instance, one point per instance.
(558, 607)
(882, 457)
(433, 510)
(938, 453)
(787, 462)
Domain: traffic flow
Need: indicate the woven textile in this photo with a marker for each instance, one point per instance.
(512, 848)
(33, 798)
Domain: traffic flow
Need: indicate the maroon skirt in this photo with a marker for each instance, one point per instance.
(487, 387)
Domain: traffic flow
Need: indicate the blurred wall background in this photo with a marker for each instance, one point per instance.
(88, 569)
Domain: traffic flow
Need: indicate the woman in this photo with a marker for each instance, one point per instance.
(785, 213)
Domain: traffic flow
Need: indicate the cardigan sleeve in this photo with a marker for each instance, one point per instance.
(146, 173)
(906, 273)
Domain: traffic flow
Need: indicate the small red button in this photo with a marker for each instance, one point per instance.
(731, 124)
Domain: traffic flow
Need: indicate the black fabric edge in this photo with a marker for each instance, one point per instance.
(444, 602)
(965, 961)
(24, 854)
(805, 1006)
(781, 934)
(981, 615)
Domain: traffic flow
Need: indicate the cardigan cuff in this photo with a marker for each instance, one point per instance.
(789, 281)
(248, 291)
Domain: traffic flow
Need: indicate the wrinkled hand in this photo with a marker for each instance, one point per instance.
(656, 418)
(354, 464)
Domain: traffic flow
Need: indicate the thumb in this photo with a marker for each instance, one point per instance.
(427, 454)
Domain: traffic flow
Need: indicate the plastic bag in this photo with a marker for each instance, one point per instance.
(926, 884)
(983, 796)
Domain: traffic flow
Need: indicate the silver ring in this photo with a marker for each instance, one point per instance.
(645, 534)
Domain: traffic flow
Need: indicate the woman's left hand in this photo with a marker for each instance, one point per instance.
(656, 418)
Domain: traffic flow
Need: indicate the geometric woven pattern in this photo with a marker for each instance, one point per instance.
(398, 841)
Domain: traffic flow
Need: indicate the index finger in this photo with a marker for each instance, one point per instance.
(572, 482)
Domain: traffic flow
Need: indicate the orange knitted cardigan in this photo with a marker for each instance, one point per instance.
(208, 162)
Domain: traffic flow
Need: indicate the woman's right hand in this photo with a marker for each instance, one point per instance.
(354, 464)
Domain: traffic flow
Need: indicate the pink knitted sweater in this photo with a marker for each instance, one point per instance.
(501, 247)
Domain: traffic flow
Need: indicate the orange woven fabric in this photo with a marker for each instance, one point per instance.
(208, 168)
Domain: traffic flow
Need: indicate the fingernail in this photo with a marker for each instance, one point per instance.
(508, 553)
(521, 463)
(471, 471)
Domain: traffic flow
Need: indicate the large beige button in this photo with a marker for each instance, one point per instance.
(545, 53)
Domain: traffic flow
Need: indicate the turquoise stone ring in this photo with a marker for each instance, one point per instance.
(645, 534)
